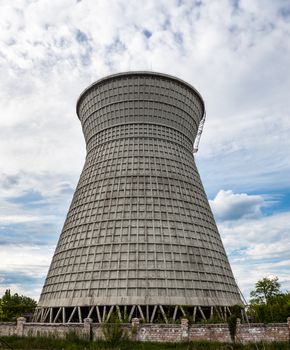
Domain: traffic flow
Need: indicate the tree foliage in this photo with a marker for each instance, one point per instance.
(13, 306)
(265, 289)
(268, 303)
(236, 312)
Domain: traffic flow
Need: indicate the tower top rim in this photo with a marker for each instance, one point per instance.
(132, 73)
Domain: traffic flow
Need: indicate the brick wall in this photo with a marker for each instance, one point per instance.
(61, 330)
(263, 332)
(160, 332)
(155, 332)
(211, 332)
(7, 328)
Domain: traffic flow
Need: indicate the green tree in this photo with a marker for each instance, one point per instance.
(14, 306)
(1, 310)
(268, 303)
(265, 289)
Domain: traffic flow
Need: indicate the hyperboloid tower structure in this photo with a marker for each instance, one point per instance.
(139, 239)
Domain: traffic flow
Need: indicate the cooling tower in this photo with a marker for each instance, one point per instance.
(139, 239)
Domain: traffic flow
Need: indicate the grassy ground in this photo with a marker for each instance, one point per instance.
(44, 343)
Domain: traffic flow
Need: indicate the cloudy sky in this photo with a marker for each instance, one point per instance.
(235, 52)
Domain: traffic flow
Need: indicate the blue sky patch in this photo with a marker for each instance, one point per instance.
(178, 37)
(147, 33)
(81, 36)
(30, 233)
(29, 197)
(285, 12)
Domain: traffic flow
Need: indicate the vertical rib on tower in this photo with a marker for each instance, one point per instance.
(139, 238)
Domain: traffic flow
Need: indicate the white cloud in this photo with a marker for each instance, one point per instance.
(16, 219)
(31, 260)
(267, 229)
(258, 247)
(231, 206)
(23, 268)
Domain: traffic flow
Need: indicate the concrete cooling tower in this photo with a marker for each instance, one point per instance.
(139, 239)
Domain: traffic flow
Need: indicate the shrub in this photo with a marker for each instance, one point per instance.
(113, 332)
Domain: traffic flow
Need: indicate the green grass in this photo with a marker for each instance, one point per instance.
(75, 343)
